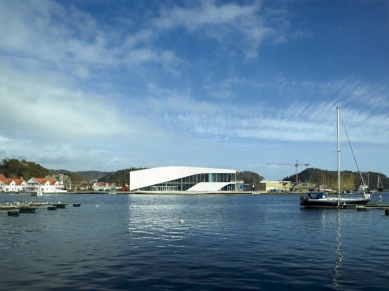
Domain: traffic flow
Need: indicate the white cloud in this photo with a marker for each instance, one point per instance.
(69, 85)
(44, 105)
(143, 36)
(298, 122)
(206, 14)
(227, 23)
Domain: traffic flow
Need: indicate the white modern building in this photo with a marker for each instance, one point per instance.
(179, 178)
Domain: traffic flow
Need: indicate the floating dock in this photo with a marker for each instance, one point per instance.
(367, 206)
(384, 207)
(14, 209)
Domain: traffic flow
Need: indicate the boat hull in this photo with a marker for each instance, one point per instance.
(332, 203)
(321, 200)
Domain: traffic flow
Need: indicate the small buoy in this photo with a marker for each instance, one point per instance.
(181, 220)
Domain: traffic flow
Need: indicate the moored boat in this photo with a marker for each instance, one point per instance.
(321, 199)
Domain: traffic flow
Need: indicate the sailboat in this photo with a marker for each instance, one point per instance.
(380, 187)
(321, 199)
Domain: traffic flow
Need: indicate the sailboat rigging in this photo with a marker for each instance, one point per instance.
(321, 199)
(380, 187)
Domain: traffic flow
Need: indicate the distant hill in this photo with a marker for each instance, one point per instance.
(13, 168)
(91, 175)
(248, 177)
(120, 178)
(75, 178)
(349, 180)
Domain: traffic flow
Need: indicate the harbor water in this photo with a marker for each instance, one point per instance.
(223, 242)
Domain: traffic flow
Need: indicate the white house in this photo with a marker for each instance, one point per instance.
(46, 185)
(63, 179)
(103, 186)
(11, 184)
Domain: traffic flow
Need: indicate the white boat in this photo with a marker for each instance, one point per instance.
(321, 199)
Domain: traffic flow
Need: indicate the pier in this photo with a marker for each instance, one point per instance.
(16, 208)
(366, 207)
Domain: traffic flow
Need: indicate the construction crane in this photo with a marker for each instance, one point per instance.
(296, 165)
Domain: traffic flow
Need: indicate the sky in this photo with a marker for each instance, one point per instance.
(108, 85)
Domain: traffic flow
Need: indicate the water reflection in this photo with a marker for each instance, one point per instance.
(338, 263)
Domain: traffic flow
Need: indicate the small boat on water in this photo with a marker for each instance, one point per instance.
(36, 193)
(321, 199)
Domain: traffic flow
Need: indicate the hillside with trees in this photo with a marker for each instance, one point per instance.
(91, 175)
(349, 180)
(120, 178)
(13, 168)
(248, 177)
(74, 177)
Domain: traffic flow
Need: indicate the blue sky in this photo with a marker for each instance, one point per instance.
(108, 85)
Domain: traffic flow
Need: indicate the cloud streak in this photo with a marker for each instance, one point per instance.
(152, 81)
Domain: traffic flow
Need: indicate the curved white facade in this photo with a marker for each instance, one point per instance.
(179, 178)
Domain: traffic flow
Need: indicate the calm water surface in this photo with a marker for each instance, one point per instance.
(227, 242)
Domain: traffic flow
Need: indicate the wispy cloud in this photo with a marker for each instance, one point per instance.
(206, 14)
(74, 85)
(301, 121)
(227, 22)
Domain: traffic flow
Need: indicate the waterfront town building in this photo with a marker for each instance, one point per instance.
(103, 186)
(9, 185)
(45, 185)
(304, 187)
(63, 179)
(180, 179)
(275, 186)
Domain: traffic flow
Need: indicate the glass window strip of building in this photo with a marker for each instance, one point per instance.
(185, 183)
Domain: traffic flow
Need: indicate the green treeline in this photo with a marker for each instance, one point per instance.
(74, 176)
(120, 178)
(13, 168)
(349, 180)
(248, 177)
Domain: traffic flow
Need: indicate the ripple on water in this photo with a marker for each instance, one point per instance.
(226, 242)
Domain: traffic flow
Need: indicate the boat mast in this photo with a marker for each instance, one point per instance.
(338, 145)
(355, 159)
